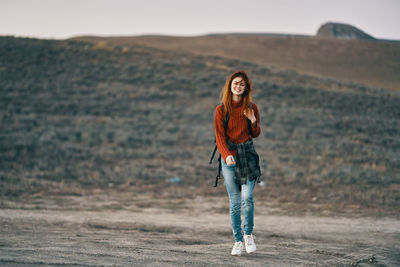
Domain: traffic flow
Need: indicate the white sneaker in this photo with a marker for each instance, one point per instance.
(237, 249)
(249, 242)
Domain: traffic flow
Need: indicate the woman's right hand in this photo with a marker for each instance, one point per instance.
(230, 160)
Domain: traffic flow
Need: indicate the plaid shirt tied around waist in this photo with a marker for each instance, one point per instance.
(245, 166)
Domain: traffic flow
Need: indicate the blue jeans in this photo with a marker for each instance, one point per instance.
(228, 173)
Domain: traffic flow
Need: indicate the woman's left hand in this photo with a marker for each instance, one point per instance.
(250, 115)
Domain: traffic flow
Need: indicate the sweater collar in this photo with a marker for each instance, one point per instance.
(237, 104)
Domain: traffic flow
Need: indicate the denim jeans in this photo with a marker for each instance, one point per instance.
(236, 200)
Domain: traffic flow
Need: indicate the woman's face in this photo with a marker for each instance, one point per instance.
(238, 86)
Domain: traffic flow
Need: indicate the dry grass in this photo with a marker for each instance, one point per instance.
(78, 119)
(369, 62)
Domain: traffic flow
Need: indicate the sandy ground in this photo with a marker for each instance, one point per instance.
(126, 230)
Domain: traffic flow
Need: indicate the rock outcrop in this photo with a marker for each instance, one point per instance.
(342, 31)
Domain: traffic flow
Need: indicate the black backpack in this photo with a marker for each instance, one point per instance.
(225, 125)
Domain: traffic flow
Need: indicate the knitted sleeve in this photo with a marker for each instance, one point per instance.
(256, 130)
(220, 136)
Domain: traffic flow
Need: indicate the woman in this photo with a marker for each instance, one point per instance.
(240, 162)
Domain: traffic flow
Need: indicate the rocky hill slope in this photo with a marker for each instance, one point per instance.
(375, 63)
(342, 31)
(76, 114)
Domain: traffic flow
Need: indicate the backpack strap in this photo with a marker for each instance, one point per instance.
(213, 154)
(219, 171)
(225, 125)
(250, 128)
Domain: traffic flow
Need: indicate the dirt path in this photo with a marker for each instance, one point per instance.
(82, 231)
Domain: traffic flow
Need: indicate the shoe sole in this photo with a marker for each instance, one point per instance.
(251, 251)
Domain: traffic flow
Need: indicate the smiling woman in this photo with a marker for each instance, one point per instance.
(239, 160)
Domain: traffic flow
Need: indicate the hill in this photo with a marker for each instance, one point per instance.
(80, 114)
(375, 63)
(342, 31)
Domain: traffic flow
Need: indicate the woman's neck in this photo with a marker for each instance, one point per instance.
(236, 98)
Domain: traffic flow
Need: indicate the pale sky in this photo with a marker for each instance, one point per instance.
(61, 19)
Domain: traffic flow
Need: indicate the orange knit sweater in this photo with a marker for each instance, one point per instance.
(237, 130)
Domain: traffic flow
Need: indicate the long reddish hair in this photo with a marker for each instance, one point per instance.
(226, 92)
